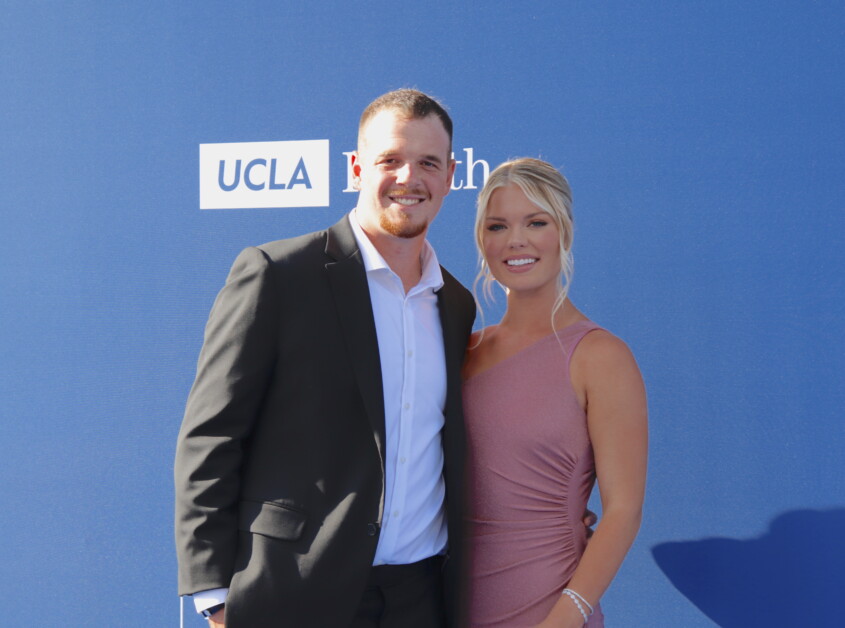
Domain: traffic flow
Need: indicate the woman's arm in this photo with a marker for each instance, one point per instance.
(608, 382)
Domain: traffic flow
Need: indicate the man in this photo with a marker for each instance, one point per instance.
(323, 436)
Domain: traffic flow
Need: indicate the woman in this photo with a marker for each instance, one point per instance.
(552, 402)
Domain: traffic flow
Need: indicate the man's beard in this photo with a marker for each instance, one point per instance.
(401, 225)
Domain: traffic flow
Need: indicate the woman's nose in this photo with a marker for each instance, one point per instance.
(516, 238)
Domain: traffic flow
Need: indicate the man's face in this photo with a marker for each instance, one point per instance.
(403, 169)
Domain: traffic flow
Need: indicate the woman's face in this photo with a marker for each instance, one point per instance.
(521, 242)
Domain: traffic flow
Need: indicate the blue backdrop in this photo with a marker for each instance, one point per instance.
(705, 144)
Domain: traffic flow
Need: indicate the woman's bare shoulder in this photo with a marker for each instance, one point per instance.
(477, 352)
(602, 344)
(601, 353)
(481, 336)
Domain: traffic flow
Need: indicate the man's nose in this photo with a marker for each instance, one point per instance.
(405, 173)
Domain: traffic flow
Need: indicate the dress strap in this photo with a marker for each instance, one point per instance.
(570, 336)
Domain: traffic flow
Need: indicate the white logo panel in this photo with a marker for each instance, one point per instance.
(264, 174)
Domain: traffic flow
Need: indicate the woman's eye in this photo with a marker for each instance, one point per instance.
(538, 223)
(495, 227)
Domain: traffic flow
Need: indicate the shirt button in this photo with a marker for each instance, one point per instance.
(403, 460)
(407, 406)
(395, 513)
(371, 529)
(410, 353)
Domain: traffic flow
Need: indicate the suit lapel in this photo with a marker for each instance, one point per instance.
(348, 281)
(453, 345)
(454, 436)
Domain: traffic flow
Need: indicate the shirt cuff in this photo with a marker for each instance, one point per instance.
(207, 599)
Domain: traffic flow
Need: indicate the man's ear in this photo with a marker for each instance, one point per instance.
(356, 170)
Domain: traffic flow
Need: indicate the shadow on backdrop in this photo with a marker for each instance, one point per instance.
(791, 576)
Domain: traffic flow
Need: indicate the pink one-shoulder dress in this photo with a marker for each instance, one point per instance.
(530, 473)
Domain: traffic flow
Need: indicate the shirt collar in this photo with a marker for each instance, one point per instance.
(373, 261)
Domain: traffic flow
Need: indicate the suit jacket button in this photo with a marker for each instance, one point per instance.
(371, 529)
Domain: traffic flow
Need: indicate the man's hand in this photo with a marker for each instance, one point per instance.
(589, 521)
(218, 620)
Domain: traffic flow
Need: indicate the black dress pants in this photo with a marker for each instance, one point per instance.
(403, 596)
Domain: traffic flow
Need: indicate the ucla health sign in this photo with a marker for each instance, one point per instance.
(264, 174)
(291, 174)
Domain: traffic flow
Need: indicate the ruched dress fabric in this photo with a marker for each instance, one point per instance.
(530, 472)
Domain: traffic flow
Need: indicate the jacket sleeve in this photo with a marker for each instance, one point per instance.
(235, 365)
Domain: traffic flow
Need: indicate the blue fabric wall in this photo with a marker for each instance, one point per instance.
(705, 144)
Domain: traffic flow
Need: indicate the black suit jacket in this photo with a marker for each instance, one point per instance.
(280, 460)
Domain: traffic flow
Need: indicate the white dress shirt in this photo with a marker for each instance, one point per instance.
(413, 371)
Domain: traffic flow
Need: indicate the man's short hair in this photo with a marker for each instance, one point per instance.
(411, 103)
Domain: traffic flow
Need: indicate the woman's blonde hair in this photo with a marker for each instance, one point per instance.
(549, 190)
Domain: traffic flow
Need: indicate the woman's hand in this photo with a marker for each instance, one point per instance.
(218, 620)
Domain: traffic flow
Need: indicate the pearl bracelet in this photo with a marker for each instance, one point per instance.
(580, 597)
(577, 599)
